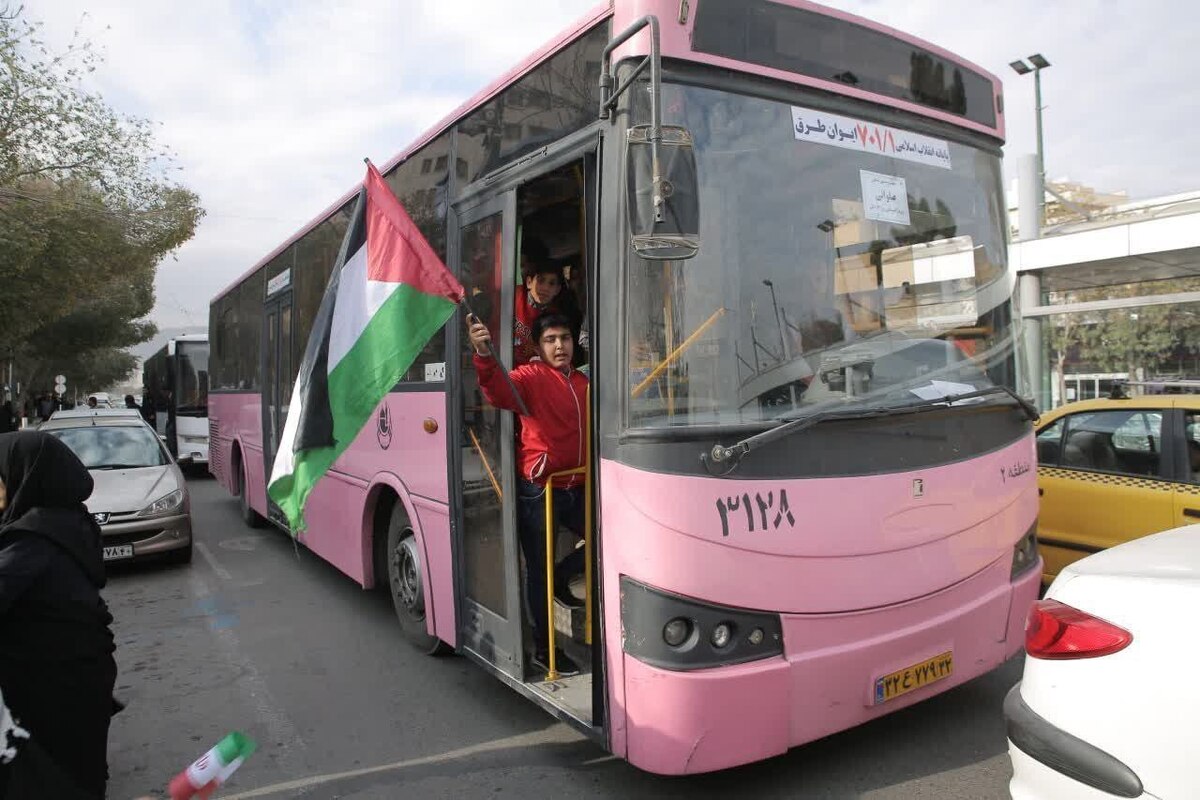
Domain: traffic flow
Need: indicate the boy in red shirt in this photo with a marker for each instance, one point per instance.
(552, 439)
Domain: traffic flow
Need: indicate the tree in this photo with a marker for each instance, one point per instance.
(1154, 338)
(87, 211)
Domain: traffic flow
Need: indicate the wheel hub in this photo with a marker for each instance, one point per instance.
(406, 576)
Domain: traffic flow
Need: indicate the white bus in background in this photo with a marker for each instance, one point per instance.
(175, 396)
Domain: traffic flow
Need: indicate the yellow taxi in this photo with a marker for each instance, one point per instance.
(1115, 469)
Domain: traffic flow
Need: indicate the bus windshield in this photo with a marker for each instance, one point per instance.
(841, 260)
(192, 397)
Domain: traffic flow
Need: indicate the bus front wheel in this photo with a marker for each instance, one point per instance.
(406, 583)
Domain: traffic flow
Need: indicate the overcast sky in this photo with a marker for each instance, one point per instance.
(272, 104)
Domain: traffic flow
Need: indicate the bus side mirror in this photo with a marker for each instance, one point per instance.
(664, 204)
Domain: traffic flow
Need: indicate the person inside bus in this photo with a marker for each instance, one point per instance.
(543, 293)
(551, 440)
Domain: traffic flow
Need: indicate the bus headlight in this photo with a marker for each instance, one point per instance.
(1025, 552)
(673, 632)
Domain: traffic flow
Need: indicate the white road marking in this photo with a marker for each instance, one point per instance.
(520, 740)
(279, 726)
(222, 573)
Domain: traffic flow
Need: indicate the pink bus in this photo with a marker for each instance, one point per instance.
(812, 484)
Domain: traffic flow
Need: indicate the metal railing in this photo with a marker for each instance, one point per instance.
(552, 529)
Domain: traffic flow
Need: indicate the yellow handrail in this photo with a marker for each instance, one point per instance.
(487, 466)
(552, 674)
(684, 345)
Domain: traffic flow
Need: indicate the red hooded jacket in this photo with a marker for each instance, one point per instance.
(552, 435)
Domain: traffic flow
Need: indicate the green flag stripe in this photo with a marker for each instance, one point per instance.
(380, 356)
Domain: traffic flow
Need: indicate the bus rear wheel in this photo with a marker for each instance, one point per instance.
(406, 584)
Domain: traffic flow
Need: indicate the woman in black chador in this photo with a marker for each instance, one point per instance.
(56, 647)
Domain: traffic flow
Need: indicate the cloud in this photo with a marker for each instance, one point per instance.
(271, 106)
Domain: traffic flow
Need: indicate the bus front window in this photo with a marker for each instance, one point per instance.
(826, 274)
(192, 396)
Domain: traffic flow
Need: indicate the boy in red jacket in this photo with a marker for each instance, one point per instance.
(552, 439)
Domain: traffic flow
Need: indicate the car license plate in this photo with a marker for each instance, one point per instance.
(909, 679)
(118, 551)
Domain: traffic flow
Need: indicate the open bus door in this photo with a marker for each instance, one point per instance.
(490, 586)
(551, 198)
(277, 382)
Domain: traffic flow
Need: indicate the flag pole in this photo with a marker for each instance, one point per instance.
(491, 353)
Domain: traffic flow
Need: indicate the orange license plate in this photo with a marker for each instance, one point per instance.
(909, 679)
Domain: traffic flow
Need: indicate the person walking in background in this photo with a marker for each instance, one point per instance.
(8, 418)
(56, 645)
(45, 407)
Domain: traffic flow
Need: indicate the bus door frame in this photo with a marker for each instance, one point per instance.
(273, 308)
(485, 636)
(586, 145)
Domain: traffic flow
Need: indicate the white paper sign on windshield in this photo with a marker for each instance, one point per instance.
(884, 197)
(821, 127)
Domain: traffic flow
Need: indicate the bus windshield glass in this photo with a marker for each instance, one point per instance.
(841, 261)
(192, 360)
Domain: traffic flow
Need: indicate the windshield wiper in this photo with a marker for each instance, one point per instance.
(1029, 408)
(732, 455)
(122, 466)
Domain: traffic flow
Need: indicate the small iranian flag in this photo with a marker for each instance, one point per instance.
(388, 295)
(212, 769)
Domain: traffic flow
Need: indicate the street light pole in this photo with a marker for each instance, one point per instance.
(787, 351)
(1037, 99)
(787, 355)
(1019, 66)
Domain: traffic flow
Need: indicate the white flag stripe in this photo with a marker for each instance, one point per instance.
(357, 301)
(350, 308)
(284, 455)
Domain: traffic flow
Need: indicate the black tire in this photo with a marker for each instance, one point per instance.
(402, 563)
(249, 516)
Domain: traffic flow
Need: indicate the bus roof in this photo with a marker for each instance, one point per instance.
(675, 42)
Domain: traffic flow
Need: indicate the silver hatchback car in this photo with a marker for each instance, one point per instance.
(140, 499)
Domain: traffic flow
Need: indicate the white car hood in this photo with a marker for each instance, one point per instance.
(121, 491)
(1171, 555)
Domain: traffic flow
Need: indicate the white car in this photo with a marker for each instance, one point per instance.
(1108, 706)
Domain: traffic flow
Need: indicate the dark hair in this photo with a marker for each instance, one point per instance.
(534, 250)
(547, 321)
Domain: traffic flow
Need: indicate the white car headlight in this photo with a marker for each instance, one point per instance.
(167, 504)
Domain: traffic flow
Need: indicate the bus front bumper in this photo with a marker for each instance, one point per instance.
(827, 679)
(193, 450)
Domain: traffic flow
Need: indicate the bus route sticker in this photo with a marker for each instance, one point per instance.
(821, 127)
(884, 197)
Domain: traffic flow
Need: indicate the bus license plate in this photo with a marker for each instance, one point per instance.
(118, 551)
(909, 679)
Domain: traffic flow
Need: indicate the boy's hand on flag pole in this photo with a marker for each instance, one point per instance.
(481, 338)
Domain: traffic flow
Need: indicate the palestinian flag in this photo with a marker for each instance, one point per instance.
(388, 295)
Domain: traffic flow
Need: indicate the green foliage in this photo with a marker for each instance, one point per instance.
(87, 212)
(1151, 338)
